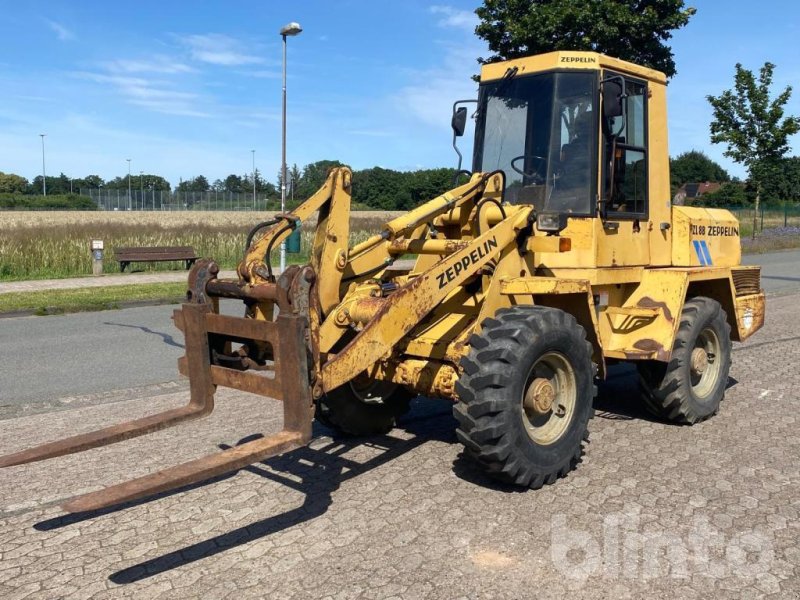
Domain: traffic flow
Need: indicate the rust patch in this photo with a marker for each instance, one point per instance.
(653, 347)
(647, 345)
(648, 302)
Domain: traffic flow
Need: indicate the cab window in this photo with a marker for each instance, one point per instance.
(625, 155)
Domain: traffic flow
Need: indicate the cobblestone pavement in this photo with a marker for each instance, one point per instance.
(654, 510)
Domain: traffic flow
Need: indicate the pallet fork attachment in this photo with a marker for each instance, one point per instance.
(286, 378)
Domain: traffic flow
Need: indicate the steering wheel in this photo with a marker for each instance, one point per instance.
(537, 178)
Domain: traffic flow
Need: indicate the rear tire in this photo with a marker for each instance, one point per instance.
(363, 407)
(690, 387)
(526, 395)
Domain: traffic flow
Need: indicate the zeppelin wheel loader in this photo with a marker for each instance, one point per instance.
(557, 257)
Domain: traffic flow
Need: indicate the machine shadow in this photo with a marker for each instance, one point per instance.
(316, 472)
(618, 397)
(167, 338)
(73, 518)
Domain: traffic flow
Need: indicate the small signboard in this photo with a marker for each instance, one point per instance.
(97, 244)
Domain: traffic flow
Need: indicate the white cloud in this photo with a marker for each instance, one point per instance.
(64, 34)
(431, 100)
(454, 17)
(263, 74)
(218, 49)
(156, 64)
(151, 94)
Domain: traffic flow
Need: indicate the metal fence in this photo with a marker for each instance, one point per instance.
(769, 215)
(140, 200)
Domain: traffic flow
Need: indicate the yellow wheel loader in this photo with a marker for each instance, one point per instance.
(559, 255)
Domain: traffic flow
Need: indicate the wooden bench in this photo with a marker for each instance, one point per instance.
(126, 256)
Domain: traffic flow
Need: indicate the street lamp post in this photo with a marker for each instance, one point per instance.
(129, 183)
(290, 29)
(254, 178)
(44, 176)
(141, 190)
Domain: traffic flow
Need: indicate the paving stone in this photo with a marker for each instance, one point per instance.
(654, 510)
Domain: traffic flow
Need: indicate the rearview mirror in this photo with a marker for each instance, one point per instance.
(459, 121)
(613, 97)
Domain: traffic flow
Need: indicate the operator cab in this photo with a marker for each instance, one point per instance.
(541, 131)
(569, 130)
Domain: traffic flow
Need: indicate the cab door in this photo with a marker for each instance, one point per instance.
(623, 234)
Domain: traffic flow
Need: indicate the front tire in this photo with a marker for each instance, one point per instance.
(363, 406)
(525, 395)
(690, 387)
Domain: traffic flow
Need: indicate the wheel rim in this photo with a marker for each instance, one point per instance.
(548, 402)
(705, 363)
(370, 391)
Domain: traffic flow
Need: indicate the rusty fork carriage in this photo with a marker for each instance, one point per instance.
(284, 375)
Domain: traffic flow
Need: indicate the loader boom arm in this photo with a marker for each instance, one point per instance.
(406, 307)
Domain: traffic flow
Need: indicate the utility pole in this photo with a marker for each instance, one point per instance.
(129, 183)
(287, 30)
(141, 190)
(44, 175)
(254, 178)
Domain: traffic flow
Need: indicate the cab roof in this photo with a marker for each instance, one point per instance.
(563, 60)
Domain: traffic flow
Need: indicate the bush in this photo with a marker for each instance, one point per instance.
(52, 202)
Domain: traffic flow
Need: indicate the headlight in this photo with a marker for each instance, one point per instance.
(550, 222)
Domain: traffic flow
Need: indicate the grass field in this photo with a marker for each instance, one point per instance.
(43, 245)
(54, 244)
(52, 302)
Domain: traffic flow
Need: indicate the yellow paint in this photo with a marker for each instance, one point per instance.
(716, 228)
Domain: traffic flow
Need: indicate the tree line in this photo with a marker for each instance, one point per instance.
(694, 166)
(377, 188)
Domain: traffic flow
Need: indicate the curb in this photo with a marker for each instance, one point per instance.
(51, 311)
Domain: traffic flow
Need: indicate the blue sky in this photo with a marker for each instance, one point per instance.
(186, 88)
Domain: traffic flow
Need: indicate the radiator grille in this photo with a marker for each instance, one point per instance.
(747, 281)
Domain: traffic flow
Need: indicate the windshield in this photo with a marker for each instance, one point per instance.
(541, 131)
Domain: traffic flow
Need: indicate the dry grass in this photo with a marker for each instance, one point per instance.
(35, 245)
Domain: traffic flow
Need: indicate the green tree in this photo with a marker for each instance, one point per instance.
(380, 188)
(753, 126)
(13, 184)
(90, 182)
(313, 177)
(293, 179)
(783, 185)
(156, 182)
(55, 185)
(695, 167)
(195, 184)
(729, 194)
(263, 186)
(152, 182)
(233, 183)
(633, 30)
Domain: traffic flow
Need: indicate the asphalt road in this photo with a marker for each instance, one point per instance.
(47, 358)
(780, 271)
